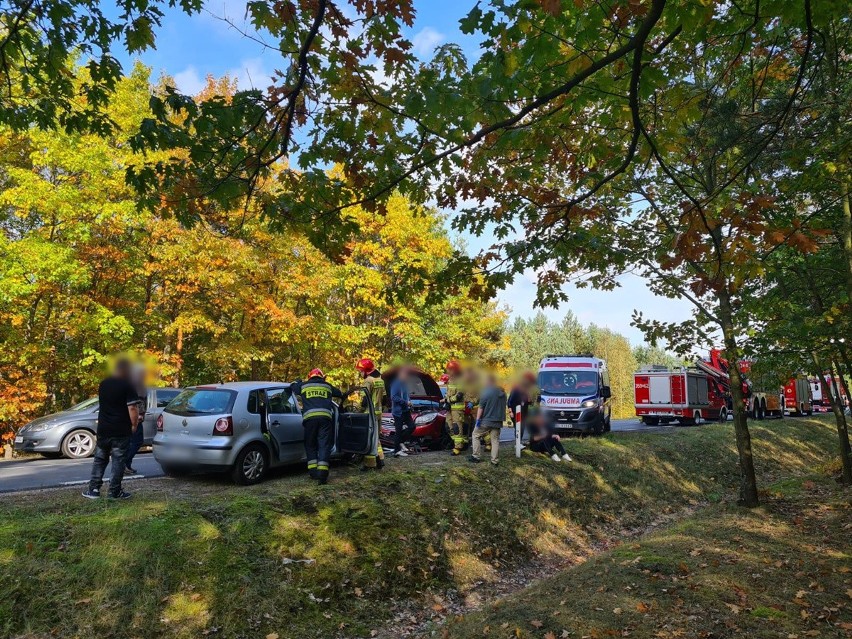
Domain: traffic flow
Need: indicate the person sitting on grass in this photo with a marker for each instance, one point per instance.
(544, 440)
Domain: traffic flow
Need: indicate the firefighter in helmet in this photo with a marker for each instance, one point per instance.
(375, 386)
(317, 418)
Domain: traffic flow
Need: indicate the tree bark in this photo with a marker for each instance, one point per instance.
(748, 480)
(839, 418)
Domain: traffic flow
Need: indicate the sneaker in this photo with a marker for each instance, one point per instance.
(122, 495)
(555, 457)
(130, 471)
(474, 460)
(400, 453)
(566, 457)
(494, 462)
(404, 448)
(91, 493)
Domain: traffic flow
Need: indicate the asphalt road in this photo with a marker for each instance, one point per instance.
(34, 473)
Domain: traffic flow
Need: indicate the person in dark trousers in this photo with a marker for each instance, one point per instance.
(138, 438)
(317, 418)
(522, 395)
(118, 419)
(544, 440)
(403, 423)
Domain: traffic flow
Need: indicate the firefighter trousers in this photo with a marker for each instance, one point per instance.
(318, 436)
(376, 452)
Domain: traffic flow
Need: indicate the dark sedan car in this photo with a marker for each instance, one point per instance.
(429, 418)
(71, 433)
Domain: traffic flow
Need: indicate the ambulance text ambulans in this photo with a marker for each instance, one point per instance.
(575, 393)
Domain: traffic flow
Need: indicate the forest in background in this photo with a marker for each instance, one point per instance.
(86, 273)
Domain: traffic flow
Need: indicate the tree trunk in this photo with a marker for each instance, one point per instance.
(840, 419)
(748, 480)
(846, 235)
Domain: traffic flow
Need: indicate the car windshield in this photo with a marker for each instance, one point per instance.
(568, 383)
(202, 401)
(92, 402)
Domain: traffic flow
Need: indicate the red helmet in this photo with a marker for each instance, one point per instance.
(365, 365)
(444, 378)
(316, 373)
(453, 366)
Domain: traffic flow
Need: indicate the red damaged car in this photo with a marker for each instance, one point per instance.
(429, 417)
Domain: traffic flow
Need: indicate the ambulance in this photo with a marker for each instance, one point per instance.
(575, 393)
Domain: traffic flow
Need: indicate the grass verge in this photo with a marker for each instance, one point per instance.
(782, 571)
(204, 558)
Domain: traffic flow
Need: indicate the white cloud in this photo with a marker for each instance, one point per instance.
(425, 41)
(189, 81)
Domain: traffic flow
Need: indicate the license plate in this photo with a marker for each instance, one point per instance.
(19, 440)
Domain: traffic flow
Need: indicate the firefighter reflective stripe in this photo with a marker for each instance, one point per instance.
(317, 412)
(312, 464)
(322, 465)
(453, 389)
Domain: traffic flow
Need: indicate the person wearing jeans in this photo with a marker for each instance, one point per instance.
(489, 419)
(403, 423)
(118, 419)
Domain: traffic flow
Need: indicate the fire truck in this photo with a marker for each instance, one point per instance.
(820, 397)
(797, 396)
(685, 395)
(763, 396)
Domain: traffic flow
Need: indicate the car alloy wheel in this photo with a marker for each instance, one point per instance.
(79, 444)
(253, 465)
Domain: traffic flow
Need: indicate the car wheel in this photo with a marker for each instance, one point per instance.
(651, 421)
(608, 424)
(79, 444)
(250, 466)
(445, 442)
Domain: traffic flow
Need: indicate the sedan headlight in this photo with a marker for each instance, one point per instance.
(38, 428)
(425, 418)
(590, 403)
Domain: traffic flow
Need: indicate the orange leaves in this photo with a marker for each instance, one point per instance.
(553, 7)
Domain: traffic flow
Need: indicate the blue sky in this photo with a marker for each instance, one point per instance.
(190, 47)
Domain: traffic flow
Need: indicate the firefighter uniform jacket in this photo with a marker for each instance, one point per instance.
(316, 396)
(375, 386)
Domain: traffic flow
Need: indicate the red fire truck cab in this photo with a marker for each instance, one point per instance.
(797, 396)
(685, 395)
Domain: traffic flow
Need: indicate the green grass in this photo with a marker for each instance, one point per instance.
(189, 558)
(780, 571)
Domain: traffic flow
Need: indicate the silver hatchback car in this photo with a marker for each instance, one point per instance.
(72, 433)
(246, 428)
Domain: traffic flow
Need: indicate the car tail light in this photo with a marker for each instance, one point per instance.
(159, 423)
(224, 426)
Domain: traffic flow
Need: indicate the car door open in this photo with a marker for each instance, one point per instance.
(356, 423)
(285, 425)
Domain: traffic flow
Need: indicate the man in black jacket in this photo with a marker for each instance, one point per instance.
(118, 419)
(317, 419)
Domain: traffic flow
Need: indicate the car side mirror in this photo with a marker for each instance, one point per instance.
(606, 393)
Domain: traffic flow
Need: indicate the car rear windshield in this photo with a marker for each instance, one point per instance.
(202, 401)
